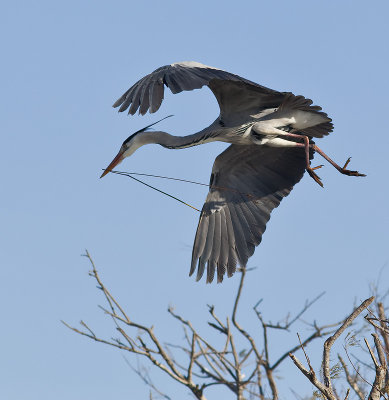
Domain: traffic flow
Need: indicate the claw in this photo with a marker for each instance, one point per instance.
(314, 176)
(349, 172)
(346, 163)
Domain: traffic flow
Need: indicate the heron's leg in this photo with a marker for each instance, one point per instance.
(343, 169)
(268, 129)
(307, 146)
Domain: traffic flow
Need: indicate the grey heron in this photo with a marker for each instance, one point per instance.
(270, 135)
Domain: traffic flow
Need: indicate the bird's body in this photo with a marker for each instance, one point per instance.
(270, 133)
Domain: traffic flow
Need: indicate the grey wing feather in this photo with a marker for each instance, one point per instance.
(248, 182)
(221, 262)
(232, 255)
(237, 97)
(233, 93)
(293, 102)
(318, 131)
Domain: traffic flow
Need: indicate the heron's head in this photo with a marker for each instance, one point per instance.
(129, 146)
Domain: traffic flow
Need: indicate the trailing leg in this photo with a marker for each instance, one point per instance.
(340, 169)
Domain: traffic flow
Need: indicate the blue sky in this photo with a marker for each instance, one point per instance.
(63, 65)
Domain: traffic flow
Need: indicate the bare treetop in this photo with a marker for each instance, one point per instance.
(238, 360)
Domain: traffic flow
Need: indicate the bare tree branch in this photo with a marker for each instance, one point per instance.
(331, 340)
(384, 329)
(326, 388)
(199, 363)
(352, 380)
(378, 385)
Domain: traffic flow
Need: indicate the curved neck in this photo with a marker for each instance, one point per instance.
(175, 142)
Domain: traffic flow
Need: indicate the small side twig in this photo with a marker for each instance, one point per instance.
(352, 380)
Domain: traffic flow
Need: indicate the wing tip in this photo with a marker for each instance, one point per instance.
(221, 270)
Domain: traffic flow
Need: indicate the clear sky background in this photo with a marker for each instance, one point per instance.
(63, 64)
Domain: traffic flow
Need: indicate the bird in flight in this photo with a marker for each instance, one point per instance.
(270, 135)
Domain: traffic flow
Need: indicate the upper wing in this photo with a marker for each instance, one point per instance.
(233, 93)
(247, 183)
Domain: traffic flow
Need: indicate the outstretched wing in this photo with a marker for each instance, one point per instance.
(233, 93)
(247, 183)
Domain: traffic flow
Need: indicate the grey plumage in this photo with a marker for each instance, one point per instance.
(189, 76)
(249, 183)
(270, 134)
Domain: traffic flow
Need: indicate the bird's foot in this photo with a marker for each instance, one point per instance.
(349, 172)
(314, 176)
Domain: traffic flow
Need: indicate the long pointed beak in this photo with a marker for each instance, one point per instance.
(117, 160)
